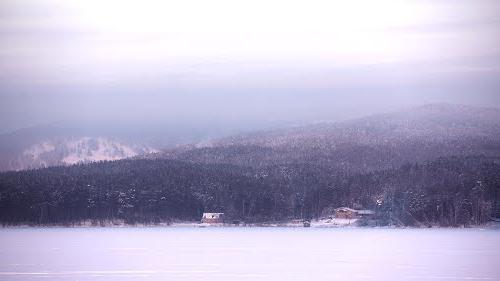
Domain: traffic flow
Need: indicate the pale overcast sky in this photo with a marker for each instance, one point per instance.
(247, 61)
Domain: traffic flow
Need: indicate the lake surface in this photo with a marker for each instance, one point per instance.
(176, 253)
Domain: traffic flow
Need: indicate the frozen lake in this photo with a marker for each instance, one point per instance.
(177, 253)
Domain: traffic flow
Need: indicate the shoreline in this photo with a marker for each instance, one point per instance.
(190, 224)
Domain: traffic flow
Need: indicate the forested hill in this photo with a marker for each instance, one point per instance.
(436, 164)
(371, 143)
(134, 190)
(449, 192)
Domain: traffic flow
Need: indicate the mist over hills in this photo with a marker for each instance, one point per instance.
(374, 142)
(370, 143)
(53, 145)
(70, 142)
(431, 165)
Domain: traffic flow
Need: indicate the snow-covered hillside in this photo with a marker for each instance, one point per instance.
(72, 150)
(374, 142)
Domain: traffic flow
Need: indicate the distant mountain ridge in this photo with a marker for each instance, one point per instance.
(371, 143)
(374, 142)
(439, 121)
(65, 143)
(73, 150)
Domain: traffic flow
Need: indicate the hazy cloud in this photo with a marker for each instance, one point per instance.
(293, 61)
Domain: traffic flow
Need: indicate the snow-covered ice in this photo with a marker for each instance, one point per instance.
(239, 253)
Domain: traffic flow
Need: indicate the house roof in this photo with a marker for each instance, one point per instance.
(345, 209)
(359, 212)
(365, 212)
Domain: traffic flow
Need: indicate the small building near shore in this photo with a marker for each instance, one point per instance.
(365, 213)
(348, 213)
(345, 213)
(212, 218)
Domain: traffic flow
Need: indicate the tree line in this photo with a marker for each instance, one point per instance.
(453, 191)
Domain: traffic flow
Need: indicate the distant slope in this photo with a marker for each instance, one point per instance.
(72, 150)
(53, 145)
(372, 143)
(66, 143)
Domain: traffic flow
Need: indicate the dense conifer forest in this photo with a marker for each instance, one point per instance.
(447, 192)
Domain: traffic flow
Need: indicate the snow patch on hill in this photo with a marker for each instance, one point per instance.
(67, 151)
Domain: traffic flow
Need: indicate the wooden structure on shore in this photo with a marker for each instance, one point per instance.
(212, 218)
(348, 213)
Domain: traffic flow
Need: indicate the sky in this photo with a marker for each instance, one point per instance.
(243, 63)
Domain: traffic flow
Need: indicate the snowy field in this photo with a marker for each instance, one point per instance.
(312, 254)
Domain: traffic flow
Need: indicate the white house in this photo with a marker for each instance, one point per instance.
(212, 218)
